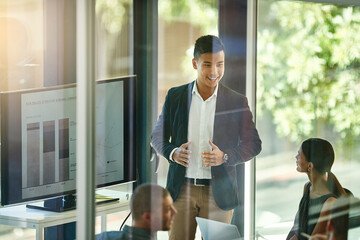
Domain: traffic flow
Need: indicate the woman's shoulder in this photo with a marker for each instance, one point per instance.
(326, 198)
(331, 198)
(328, 204)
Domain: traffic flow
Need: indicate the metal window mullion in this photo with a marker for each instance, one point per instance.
(85, 155)
(250, 184)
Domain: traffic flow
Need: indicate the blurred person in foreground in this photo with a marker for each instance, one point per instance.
(206, 132)
(152, 210)
(315, 158)
(338, 223)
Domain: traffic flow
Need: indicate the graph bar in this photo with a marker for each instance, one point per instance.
(64, 168)
(33, 154)
(48, 152)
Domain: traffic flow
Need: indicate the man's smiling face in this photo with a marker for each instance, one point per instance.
(210, 68)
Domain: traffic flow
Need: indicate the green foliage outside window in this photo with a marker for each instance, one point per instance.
(112, 13)
(201, 13)
(308, 70)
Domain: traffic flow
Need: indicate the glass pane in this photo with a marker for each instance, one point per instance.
(113, 59)
(180, 24)
(37, 49)
(21, 62)
(307, 86)
(21, 44)
(114, 38)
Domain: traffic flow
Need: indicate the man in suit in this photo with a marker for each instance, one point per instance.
(152, 209)
(205, 130)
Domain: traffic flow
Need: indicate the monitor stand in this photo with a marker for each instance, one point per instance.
(68, 202)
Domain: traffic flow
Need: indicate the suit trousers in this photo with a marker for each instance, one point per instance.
(195, 201)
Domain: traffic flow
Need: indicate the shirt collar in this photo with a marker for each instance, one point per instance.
(196, 91)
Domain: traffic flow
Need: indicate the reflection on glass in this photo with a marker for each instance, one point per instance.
(307, 84)
(180, 24)
(114, 38)
(21, 44)
(38, 48)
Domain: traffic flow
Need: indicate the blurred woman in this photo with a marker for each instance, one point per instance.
(315, 158)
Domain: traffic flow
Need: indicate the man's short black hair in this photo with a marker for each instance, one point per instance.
(207, 44)
(146, 198)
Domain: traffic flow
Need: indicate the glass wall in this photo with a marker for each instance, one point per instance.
(21, 61)
(38, 49)
(114, 38)
(307, 80)
(180, 24)
(307, 86)
(21, 44)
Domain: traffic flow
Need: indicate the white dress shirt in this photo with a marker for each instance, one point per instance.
(200, 131)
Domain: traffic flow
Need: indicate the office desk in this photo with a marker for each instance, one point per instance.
(20, 216)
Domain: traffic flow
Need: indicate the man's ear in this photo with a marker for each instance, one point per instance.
(146, 217)
(194, 63)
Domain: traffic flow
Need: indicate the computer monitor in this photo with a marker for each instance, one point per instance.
(38, 139)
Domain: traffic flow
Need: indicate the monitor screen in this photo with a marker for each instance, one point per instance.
(38, 139)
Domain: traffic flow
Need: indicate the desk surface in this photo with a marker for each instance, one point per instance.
(21, 216)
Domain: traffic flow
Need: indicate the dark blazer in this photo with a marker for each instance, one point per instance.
(234, 133)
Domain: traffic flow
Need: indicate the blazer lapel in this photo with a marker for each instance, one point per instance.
(189, 96)
(220, 100)
(218, 109)
(185, 109)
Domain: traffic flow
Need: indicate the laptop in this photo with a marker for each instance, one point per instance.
(214, 230)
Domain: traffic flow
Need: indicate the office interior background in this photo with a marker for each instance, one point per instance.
(298, 62)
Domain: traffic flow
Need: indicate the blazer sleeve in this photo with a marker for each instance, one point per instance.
(248, 142)
(160, 136)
